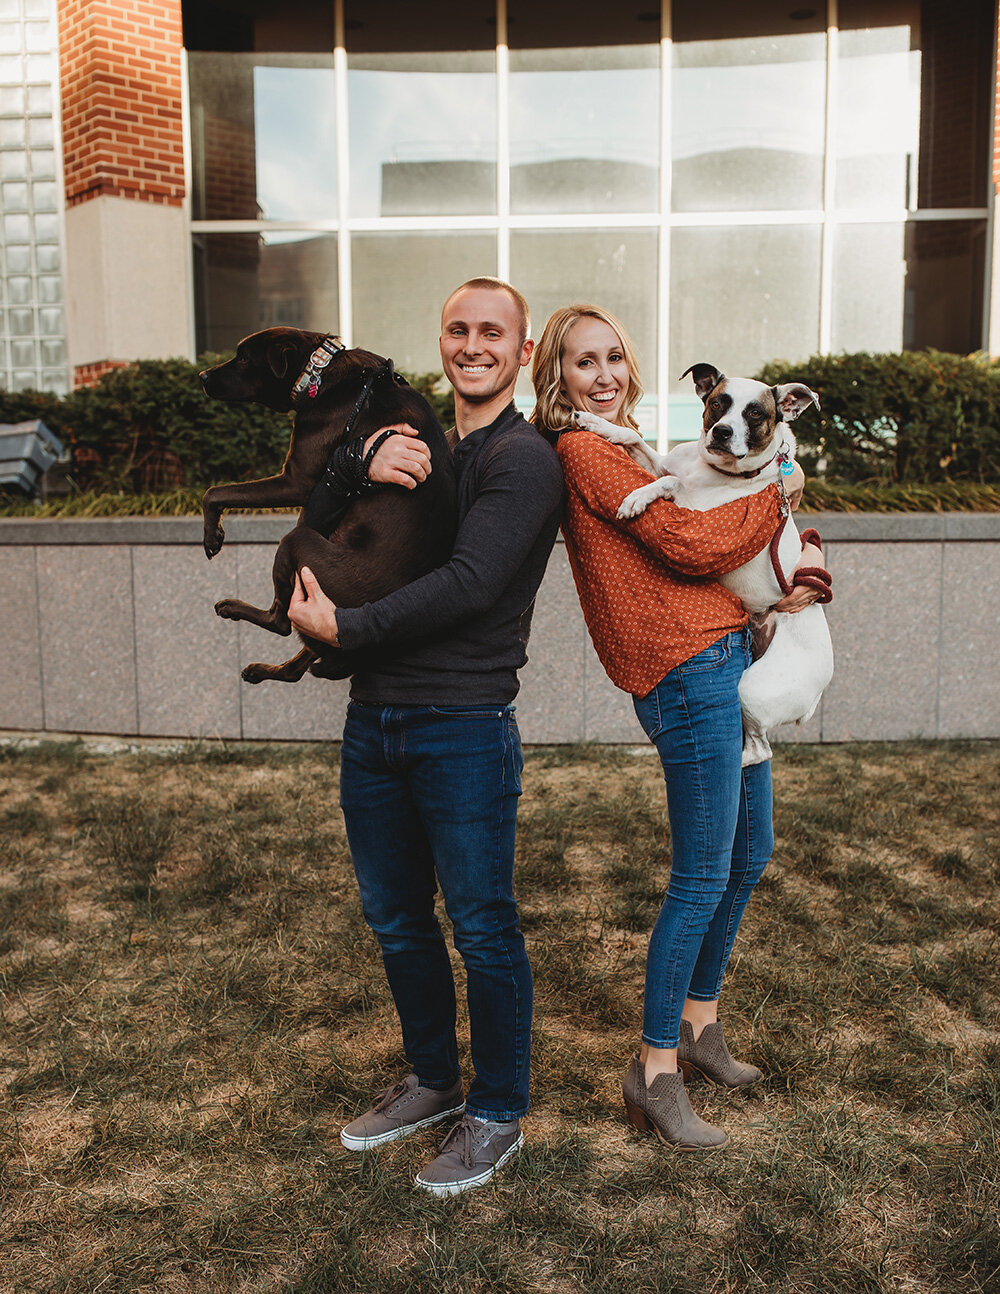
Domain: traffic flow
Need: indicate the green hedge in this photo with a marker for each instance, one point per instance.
(921, 417)
(149, 428)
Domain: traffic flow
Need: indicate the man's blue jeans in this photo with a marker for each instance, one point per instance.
(431, 792)
(720, 828)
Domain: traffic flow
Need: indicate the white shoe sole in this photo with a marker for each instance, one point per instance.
(456, 1188)
(397, 1134)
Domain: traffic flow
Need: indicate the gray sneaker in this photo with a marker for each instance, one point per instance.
(469, 1156)
(400, 1110)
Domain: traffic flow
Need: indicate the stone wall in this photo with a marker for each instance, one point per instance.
(108, 627)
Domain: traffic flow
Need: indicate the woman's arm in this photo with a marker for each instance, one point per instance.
(693, 543)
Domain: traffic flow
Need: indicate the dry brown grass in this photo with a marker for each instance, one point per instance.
(192, 1005)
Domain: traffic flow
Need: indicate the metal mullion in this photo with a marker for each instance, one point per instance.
(829, 178)
(664, 239)
(345, 296)
(501, 55)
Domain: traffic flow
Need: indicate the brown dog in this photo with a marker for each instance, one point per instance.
(384, 540)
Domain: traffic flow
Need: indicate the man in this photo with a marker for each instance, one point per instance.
(431, 760)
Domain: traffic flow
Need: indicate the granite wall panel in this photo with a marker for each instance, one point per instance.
(88, 640)
(187, 659)
(310, 710)
(550, 704)
(969, 685)
(20, 649)
(885, 620)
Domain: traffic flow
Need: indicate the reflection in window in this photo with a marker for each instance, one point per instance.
(423, 134)
(423, 117)
(878, 114)
(244, 282)
(742, 296)
(264, 137)
(584, 129)
(400, 282)
(612, 268)
(945, 278)
(748, 111)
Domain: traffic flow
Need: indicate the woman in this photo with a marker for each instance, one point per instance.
(668, 633)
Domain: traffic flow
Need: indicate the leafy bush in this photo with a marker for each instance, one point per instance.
(917, 417)
(148, 428)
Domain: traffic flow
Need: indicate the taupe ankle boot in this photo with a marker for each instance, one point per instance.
(710, 1057)
(663, 1108)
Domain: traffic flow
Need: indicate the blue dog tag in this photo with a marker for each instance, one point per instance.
(786, 468)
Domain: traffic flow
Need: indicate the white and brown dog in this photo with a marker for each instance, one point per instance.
(744, 444)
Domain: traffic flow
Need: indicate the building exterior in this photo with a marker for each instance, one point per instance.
(738, 182)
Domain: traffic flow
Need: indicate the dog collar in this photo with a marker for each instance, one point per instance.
(311, 377)
(785, 466)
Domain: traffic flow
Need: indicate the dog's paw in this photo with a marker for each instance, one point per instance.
(254, 673)
(636, 503)
(606, 430)
(226, 609)
(214, 540)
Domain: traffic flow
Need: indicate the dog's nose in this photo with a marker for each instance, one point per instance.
(722, 433)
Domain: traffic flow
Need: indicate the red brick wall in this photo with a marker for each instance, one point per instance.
(90, 374)
(120, 64)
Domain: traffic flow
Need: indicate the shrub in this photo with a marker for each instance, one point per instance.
(917, 417)
(148, 427)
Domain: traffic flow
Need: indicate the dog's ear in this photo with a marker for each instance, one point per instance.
(792, 398)
(706, 378)
(280, 356)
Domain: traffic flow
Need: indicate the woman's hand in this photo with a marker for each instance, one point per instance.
(794, 485)
(802, 596)
(311, 611)
(404, 459)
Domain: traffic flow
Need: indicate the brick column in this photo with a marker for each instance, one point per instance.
(128, 293)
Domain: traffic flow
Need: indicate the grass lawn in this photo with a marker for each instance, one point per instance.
(191, 1006)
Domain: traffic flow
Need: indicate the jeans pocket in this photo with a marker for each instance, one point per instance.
(513, 756)
(647, 711)
(713, 656)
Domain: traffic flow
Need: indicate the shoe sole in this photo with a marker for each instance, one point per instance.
(397, 1134)
(456, 1188)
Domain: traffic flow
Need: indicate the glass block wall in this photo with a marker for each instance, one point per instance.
(32, 327)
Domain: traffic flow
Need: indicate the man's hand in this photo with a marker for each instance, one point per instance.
(311, 610)
(399, 460)
(801, 595)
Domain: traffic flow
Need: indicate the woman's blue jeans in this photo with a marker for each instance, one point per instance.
(429, 796)
(720, 827)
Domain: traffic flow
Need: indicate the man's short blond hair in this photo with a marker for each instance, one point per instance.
(498, 285)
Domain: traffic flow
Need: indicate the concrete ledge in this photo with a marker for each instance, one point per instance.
(107, 626)
(840, 527)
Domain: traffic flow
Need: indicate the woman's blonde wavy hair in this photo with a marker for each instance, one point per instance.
(552, 408)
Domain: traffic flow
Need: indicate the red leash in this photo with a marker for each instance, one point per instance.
(813, 577)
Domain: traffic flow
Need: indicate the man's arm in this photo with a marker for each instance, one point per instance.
(521, 490)
(692, 543)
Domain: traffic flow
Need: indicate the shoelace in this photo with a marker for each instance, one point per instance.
(464, 1131)
(389, 1095)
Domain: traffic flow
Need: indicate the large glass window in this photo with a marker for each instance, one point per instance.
(748, 111)
(528, 140)
(743, 295)
(263, 136)
(584, 127)
(400, 282)
(878, 105)
(423, 108)
(612, 268)
(244, 282)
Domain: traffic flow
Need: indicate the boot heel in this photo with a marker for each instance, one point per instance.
(636, 1117)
